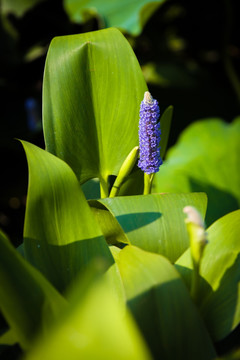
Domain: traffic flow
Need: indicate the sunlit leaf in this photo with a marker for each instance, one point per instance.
(93, 87)
(154, 222)
(60, 234)
(162, 306)
(206, 158)
(28, 301)
(128, 15)
(96, 327)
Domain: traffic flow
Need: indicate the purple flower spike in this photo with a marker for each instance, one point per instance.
(149, 135)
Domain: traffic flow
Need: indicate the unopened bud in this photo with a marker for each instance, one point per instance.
(196, 232)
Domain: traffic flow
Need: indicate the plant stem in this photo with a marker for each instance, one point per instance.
(195, 283)
(103, 189)
(148, 178)
(114, 191)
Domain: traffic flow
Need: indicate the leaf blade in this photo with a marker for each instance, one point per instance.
(94, 101)
(162, 306)
(27, 300)
(155, 222)
(62, 247)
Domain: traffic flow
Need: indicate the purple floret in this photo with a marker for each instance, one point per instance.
(149, 135)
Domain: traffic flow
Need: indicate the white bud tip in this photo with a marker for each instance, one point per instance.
(193, 216)
(148, 99)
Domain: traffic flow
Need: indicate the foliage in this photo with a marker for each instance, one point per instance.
(192, 166)
(112, 277)
(129, 16)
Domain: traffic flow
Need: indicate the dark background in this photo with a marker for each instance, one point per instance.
(193, 46)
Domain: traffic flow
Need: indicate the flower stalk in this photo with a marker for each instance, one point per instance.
(198, 241)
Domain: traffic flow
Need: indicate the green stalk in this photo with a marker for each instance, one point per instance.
(198, 241)
(148, 178)
(195, 282)
(103, 189)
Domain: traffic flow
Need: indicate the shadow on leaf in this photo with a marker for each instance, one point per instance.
(133, 221)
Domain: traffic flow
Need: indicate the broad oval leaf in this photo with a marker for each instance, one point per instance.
(61, 235)
(93, 87)
(162, 306)
(154, 222)
(219, 290)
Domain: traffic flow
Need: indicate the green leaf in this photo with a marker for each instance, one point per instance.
(28, 302)
(91, 189)
(155, 222)
(205, 159)
(162, 306)
(60, 234)
(219, 291)
(8, 338)
(128, 15)
(94, 327)
(93, 87)
(110, 227)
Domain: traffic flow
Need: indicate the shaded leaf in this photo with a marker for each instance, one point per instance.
(171, 75)
(110, 227)
(16, 7)
(8, 338)
(165, 121)
(91, 189)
